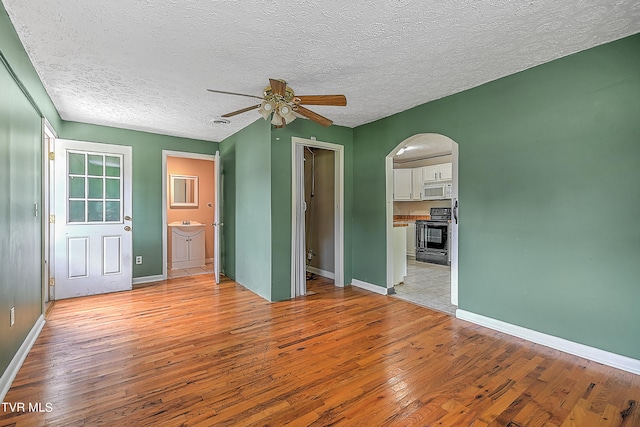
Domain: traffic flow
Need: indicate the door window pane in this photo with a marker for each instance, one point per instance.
(95, 188)
(113, 166)
(112, 211)
(94, 211)
(76, 211)
(76, 187)
(76, 163)
(113, 188)
(96, 167)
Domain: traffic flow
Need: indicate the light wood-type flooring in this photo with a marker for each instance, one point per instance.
(189, 352)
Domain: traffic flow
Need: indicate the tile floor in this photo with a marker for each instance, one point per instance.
(428, 285)
(184, 272)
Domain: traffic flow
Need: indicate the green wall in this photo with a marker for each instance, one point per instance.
(548, 195)
(246, 176)
(20, 188)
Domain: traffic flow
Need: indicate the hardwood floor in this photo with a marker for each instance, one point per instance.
(189, 352)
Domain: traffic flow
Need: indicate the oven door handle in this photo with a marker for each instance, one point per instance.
(455, 211)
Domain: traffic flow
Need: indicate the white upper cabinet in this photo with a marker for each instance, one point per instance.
(416, 184)
(402, 183)
(435, 173)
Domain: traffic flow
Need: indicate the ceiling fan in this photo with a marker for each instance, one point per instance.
(280, 100)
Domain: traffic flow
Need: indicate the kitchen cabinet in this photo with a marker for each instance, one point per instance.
(402, 184)
(407, 184)
(186, 243)
(416, 184)
(435, 173)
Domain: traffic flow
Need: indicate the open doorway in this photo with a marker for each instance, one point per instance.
(189, 194)
(422, 201)
(317, 213)
(319, 195)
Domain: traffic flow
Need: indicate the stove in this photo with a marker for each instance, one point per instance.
(433, 236)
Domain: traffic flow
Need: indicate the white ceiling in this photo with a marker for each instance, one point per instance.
(146, 65)
(424, 146)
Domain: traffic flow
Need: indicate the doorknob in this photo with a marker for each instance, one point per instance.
(127, 228)
(127, 218)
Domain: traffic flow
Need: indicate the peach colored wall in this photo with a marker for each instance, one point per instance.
(203, 169)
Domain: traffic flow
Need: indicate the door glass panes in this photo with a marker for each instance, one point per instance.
(94, 188)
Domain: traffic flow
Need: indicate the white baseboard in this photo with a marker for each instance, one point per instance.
(595, 354)
(323, 273)
(148, 279)
(369, 286)
(16, 363)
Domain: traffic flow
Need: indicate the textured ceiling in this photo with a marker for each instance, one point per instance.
(146, 64)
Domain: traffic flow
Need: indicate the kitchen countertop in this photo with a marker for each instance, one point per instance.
(403, 218)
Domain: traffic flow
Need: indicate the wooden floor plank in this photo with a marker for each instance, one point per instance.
(193, 353)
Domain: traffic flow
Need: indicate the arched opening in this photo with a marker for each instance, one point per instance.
(422, 221)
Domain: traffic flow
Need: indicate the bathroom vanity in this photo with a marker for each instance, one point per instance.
(186, 245)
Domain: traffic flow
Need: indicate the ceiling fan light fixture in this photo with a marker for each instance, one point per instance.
(277, 119)
(266, 108)
(286, 111)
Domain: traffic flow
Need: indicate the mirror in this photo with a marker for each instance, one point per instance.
(184, 191)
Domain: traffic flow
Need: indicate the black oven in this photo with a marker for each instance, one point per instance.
(432, 237)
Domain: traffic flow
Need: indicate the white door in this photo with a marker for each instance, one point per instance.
(93, 236)
(217, 218)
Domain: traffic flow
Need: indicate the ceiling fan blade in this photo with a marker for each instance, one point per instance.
(313, 116)
(336, 100)
(234, 93)
(278, 87)
(244, 110)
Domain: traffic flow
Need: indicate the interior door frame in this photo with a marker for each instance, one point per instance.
(184, 155)
(389, 214)
(48, 233)
(338, 236)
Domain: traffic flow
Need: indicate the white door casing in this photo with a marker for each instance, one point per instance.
(298, 264)
(217, 218)
(93, 234)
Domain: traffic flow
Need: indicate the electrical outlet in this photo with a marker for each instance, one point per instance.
(139, 259)
(12, 316)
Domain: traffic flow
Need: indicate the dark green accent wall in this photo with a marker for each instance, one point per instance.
(20, 190)
(548, 195)
(246, 176)
(281, 175)
(147, 182)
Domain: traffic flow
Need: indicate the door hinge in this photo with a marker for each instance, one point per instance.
(52, 155)
(52, 219)
(52, 282)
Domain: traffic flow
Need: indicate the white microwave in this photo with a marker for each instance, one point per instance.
(436, 191)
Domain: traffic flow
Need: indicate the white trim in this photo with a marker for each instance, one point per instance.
(48, 237)
(18, 359)
(595, 354)
(319, 272)
(339, 206)
(370, 287)
(148, 279)
(165, 154)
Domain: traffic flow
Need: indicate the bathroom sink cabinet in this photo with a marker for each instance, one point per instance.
(186, 246)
